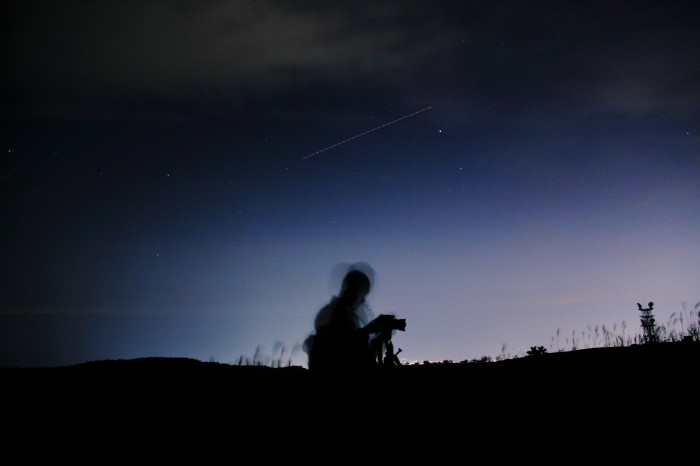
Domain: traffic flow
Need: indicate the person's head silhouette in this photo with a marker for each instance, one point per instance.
(356, 287)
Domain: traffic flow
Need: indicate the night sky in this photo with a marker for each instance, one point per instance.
(165, 190)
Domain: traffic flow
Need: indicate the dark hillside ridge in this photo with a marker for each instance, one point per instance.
(637, 362)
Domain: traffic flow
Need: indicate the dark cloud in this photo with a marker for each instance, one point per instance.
(174, 52)
(180, 57)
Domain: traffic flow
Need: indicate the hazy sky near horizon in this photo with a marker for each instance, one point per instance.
(158, 198)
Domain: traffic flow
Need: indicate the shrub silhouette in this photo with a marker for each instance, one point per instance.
(536, 350)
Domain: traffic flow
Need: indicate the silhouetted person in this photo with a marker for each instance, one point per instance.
(343, 340)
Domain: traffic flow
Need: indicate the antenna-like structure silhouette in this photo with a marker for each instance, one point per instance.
(648, 324)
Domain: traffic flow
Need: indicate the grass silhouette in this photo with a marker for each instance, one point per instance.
(279, 357)
(681, 326)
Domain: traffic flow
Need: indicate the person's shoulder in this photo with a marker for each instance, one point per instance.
(324, 314)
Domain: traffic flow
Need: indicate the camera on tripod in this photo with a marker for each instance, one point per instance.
(386, 323)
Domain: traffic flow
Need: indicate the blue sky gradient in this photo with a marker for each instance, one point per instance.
(156, 200)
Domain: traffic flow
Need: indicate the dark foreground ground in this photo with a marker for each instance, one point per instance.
(650, 369)
(620, 401)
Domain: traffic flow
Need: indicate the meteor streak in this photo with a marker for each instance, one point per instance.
(366, 132)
